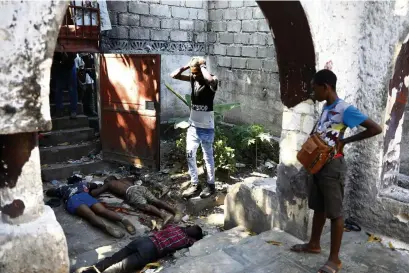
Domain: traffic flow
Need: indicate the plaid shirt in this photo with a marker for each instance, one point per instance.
(170, 239)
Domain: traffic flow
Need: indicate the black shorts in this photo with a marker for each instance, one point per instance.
(326, 192)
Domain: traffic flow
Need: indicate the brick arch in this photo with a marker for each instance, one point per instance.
(294, 48)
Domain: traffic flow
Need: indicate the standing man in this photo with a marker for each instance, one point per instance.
(201, 130)
(327, 191)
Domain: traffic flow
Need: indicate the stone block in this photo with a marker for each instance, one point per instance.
(197, 204)
(259, 39)
(262, 25)
(178, 36)
(218, 26)
(186, 25)
(270, 65)
(226, 38)
(230, 14)
(202, 14)
(241, 38)
(244, 13)
(139, 34)
(211, 37)
(138, 8)
(252, 204)
(159, 10)
(234, 51)
(160, 35)
(249, 25)
(224, 61)
(193, 14)
(221, 4)
(257, 13)
(308, 124)
(118, 6)
(200, 37)
(254, 64)
(194, 4)
(119, 32)
(249, 51)
(215, 14)
(233, 26)
(200, 26)
(219, 49)
(236, 3)
(169, 24)
(127, 19)
(238, 62)
(180, 12)
(149, 21)
(291, 121)
(250, 3)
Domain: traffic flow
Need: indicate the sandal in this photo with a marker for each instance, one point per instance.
(351, 226)
(305, 249)
(330, 267)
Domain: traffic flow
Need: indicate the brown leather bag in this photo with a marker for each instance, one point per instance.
(315, 153)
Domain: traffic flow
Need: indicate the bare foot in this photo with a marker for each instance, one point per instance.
(129, 227)
(168, 219)
(114, 232)
(305, 248)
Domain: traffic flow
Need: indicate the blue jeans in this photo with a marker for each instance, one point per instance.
(195, 138)
(64, 79)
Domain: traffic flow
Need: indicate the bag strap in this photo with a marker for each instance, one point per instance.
(315, 125)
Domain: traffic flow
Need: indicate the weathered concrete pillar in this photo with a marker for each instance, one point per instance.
(292, 179)
(31, 239)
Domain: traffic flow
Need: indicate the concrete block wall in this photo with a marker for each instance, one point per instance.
(242, 55)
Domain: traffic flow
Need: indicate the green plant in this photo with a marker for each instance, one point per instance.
(224, 155)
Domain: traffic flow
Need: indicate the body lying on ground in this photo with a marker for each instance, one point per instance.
(137, 196)
(147, 249)
(79, 202)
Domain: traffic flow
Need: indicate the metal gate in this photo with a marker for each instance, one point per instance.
(130, 109)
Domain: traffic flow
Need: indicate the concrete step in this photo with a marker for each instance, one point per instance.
(67, 110)
(94, 123)
(58, 154)
(71, 136)
(67, 123)
(63, 171)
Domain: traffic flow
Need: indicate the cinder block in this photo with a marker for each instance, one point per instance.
(304, 108)
(148, 21)
(219, 49)
(172, 2)
(226, 38)
(230, 14)
(138, 8)
(180, 12)
(262, 52)
(257, 13)
(118, 6)
(216, 14)
(218, 26)
(160, 35)
(234, 51)
(186, 25)
(224, 61)
(250, 3)
(193, 14)
(234, 26)
(249, 25)
(291, 120)
(119, 32)
(169, 24)
(113, 16)
(258, 39)
(244, 13)
(221, 4)
(241, 38)
(238, 62)
(178, 36)
(194, 4)
(211, 37)
(262, 25)
(139, 34)
(201, 37)
(255, 64)
(249, 51)
(200, 26)
(202, 14)
(270, 65)
(160, 10)
(127, 19)
(236, 3)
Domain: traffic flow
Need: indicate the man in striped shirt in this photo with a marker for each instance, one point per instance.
(148, 249)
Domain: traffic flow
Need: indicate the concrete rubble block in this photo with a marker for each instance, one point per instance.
(169, 24)
(252, 204)
(139, 33)
(234, 26)
(186, 25)
(197, 204)
(160, 35)
(43, 237)
(179, 36)
(138, 8)
(230, 14)
(149, 21)
(159, 10)
(249, 25)
(244, 13)
(180, 12)
(127, 19)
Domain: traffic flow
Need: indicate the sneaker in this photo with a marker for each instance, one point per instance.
(193, 190)
(73, 115)
(208, 191)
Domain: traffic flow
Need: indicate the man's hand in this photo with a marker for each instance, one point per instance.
(340, 146)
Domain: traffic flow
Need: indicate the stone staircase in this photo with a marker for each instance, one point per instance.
(71, 140)
(235, 251)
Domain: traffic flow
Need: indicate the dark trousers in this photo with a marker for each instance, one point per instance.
(63, 79)
(133, 257)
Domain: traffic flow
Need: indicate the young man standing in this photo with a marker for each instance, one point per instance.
(327, 192)
(201, 130)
